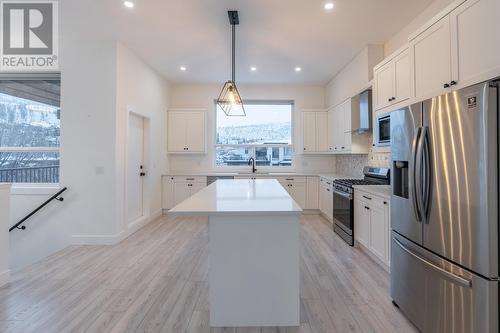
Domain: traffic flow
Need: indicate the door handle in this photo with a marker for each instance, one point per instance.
(142, 174)
(457, 278)
(413, 174)
(426, 172)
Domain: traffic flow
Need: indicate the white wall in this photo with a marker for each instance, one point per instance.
(142, 91)
(99, 80)
(401, 37)
(203, 96)
(4, 234)
(354, 77)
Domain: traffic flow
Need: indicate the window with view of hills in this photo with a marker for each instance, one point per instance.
(29, 130)
(265, 133)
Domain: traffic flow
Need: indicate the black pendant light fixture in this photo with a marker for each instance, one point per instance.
(229, 98)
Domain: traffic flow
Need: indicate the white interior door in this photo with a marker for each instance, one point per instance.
(135, 162)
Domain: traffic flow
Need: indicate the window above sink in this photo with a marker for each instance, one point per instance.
(265, 134)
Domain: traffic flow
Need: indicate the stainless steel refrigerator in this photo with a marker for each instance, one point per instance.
(444, 211)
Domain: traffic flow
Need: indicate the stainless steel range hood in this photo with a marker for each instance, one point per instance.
(361, 113)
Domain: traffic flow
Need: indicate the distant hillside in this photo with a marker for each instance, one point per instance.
(262, 133)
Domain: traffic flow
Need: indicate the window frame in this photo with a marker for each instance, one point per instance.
(241, 168)
(35, 77)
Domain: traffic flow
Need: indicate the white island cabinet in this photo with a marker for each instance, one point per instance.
(253, 251)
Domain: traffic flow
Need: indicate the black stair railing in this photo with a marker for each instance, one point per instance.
(56, 196)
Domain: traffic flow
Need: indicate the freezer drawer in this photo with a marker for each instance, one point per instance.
(438, 296)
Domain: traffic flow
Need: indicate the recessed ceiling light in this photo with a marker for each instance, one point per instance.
(128, 4)
(329, 5)
(298, 69)
(183, 68)
(253, 68)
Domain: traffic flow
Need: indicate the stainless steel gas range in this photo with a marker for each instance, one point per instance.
(343, 201)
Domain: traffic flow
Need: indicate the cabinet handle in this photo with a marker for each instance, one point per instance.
(304, 149)
(452, 83)
(289, 179)
(446, 85)
(367, 208)
(328, 189)
(364, 196)
(189, 178)
(385, 202)
(342, 147)
(389, 99)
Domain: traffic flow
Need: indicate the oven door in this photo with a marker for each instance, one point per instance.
(383, 131)
(343, 208)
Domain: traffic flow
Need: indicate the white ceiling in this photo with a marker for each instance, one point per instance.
(273, 35)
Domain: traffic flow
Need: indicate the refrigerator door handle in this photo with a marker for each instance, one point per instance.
(413, 175)
(419, 172)
(427, 182)
(456, 278)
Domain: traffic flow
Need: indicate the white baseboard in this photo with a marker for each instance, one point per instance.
(132, 227)
(4, 278)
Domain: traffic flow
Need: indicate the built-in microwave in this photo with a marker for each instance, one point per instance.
(382, 130)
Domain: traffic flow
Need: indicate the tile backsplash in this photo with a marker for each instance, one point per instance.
(352, 165)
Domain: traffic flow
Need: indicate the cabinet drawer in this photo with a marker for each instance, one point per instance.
(190, 179)
(370, 199)
(291, 179)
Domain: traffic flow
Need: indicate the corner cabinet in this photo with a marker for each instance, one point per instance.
(186, 131)
(296, 187)
(176, 189)
(372, 224)
(341, 140)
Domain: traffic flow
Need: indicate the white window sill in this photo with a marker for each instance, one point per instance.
(34, 189)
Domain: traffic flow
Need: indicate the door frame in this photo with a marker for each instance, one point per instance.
(146, 186)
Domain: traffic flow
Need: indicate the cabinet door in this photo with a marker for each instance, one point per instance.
(384, 88)
(338, 142)
(298, 193)
(475, 42)
(182, 191)
(176, 135)
(362, 222)
(309, 131)
(321, 131)
(195, 131)
(322, 198)
(346, 117)
(312, 193)
(331, 129)
(402, 83)
(167, 192)
(196, 187)
(431, 58)
(329, 203)
(378, 232)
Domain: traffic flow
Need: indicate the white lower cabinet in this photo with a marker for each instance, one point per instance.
(178, 188)
(296, 186)
(372, 224)
(312, 192)
(326, 198)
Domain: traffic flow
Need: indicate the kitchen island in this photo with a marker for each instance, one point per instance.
(254, 251)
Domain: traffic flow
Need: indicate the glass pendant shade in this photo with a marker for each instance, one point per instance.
(230, 100)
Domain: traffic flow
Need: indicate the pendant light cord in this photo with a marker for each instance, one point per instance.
(233, 52)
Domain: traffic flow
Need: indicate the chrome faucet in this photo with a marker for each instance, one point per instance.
(251, 161)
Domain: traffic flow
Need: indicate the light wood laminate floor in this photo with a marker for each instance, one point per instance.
(156, 281)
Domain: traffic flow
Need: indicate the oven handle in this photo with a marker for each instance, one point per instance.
(344, 195)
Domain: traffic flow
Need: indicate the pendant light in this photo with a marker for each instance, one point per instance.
(229, 98)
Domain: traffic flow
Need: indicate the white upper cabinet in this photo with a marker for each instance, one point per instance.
(392, 80)
(431, 59)
(186, 132)
(402, 77)
(315, 131)
(475, 42)
(321, 131)
(384, 85)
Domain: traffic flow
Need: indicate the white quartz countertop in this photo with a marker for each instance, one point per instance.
(261, 174)
(380, 190)
(239, 196)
